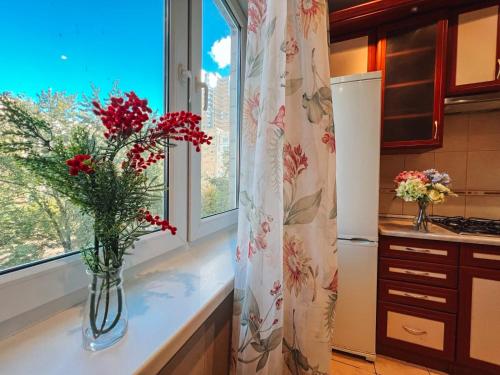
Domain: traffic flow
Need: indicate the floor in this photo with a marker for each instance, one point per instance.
(344, 364)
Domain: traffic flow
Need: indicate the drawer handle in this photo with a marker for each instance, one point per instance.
(412, 249)
(414, 331)
(419, 296)
(419, 250)
(417, 273)
(486, 256)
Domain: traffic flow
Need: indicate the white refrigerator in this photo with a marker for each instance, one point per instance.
(356, 113)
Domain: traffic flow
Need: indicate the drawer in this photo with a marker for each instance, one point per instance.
(420, 331)
(429, 297)
(419, 250)
(480, 256)
(418, 272)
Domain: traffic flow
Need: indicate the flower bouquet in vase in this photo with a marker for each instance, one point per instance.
(427, 187)
(102, 171)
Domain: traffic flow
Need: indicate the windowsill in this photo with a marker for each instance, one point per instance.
(168, 298)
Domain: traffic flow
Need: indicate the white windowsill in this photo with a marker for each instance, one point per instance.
(168, 298)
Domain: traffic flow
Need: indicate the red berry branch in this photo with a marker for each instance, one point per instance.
(129, 126)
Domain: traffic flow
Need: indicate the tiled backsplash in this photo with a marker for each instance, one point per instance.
(470, 154)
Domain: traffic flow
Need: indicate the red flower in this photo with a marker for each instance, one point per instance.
(295, 162)
(80, 163)
(329, 140)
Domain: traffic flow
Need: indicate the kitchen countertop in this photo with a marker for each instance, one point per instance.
(168, 298)
(403, 227)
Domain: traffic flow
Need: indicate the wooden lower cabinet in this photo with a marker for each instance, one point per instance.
(207, 352)
(417, 330)
(479, 320)
(443, 313)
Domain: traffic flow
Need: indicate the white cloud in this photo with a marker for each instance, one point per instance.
(220, 52)
(64, 57)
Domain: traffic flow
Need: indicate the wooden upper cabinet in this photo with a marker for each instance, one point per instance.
(474, 53)
(412, 59)
(352, 56)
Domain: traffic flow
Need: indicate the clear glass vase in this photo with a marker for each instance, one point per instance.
(421, 221)
(105, 316)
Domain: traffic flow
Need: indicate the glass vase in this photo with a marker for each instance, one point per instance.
(105, 316)
(421, 220)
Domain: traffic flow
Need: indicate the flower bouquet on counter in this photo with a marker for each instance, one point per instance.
(102, 171)
(429, 186)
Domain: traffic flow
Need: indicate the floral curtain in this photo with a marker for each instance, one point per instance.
(286, 276)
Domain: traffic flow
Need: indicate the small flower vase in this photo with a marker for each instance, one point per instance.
(105, 317)
(421, 220)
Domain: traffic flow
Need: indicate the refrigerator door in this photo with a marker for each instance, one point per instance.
(355, 317)
(356, 113)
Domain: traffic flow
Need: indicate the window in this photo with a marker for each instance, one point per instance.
(216, 51)
(69, 52)
(58, 56)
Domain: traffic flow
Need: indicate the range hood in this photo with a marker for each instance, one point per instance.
(473, 103)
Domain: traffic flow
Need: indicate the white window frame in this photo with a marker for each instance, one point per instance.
(34, 292)
(200, 227)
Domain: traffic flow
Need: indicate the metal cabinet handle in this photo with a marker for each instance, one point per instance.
(498, 74)
(416, 250)
(420, 296)
(414, 331)
(417, 273)
(435, 129)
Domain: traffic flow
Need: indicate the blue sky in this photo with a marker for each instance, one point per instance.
(67, 45)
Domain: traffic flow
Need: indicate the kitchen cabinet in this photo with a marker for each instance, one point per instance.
(478, 347)
(439, 304)
(412, 58)
(474, 49)
(354, 55)
(417, 300)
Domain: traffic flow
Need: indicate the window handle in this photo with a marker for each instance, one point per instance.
(185, 76)
(199, 84)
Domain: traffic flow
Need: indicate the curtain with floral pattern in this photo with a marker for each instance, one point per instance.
(286, 274)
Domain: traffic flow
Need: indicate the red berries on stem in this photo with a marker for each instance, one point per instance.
(156, 220)
(80, 163)
(129, 126)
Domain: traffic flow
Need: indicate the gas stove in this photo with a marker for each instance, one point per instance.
(472, 225)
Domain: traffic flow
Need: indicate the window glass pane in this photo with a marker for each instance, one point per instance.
(57, 56)
(220, 70)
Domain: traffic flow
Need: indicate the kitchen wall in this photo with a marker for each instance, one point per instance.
(470, 154)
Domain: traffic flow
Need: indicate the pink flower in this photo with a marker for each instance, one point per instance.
(279, 302)
(406, 175)
(260, 241)
(295, 162)
(310, 12)
(238, 254)
(329, 140)
(279, 120)
(276, 288)
(290, 48)
(256, 14)
(251, 250)
(296, 263)
(265, 227)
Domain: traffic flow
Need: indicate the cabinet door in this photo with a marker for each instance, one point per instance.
(353, 55)
(474, 50)
(412, 61)
(479, 319)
